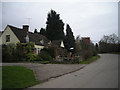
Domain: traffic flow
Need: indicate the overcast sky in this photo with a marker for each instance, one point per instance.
(87, 19)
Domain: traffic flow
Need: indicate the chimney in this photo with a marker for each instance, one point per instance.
(87, 39)
(26, 27)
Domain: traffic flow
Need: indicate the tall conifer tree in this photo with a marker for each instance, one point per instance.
(69, 38)
(55, 26)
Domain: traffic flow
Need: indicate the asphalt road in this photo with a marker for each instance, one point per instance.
(103, 73)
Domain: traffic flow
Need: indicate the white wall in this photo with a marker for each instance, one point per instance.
(13, 38)
(38, 47)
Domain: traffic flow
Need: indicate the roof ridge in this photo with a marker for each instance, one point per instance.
(14, 27)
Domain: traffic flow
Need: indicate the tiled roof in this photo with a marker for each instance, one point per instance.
(20, 33)
(56, 42)
(33, 37)
(36, 38)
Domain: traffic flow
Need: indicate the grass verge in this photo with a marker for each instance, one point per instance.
(89, 60)
(17, 77)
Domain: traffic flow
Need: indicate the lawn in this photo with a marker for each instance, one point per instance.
(17, 77)
(89, 60)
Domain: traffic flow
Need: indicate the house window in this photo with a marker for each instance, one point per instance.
(7, 38)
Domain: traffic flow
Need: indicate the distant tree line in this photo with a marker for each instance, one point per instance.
(109, 44)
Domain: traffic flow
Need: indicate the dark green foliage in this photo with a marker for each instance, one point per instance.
(43, 32)
(35, 31)
(45, 56)
(30, 57)
(108, 47)
(38, 58)
(17, 53)
(9, 53)
(50, 51)
(55, 26)
(20, 55)
(69, 40)
(28, 47)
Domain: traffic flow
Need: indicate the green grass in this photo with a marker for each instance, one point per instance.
(17, 77)
(89, 60)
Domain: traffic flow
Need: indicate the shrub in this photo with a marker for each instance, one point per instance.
(86, 54)
(15, 53)
(8, 53)
(44, 62)
(38, 58)
(45, 56)
(94, 52)
(30, 57)
(19, 52)
(29, 47)
(50, 51)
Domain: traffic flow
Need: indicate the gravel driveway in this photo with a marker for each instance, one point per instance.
(44, 72)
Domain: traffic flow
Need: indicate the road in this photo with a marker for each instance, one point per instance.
(103, 73)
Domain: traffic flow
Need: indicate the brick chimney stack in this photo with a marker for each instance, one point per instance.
(26, 28)
(86, 39)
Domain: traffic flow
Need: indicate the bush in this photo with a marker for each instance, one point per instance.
(20, 55)
(8, 53)
(29, 47)
(38, 58)
(44, 62)
(15, 53)
(50, 51)
(66, 60)
(94, 52)
(86, 54)
(30, 57)
(45, 56)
